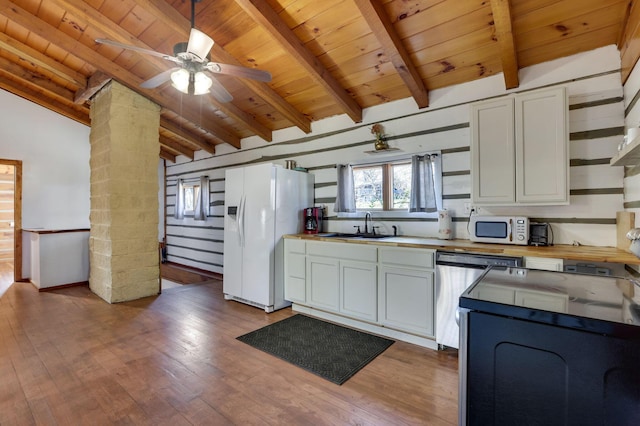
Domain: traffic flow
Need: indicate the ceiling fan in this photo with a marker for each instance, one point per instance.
(194, 73)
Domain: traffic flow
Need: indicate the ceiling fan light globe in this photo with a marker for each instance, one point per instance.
(199, 44)
(202, 84)
(180, 80)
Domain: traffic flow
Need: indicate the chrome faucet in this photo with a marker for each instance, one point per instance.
(367, 218)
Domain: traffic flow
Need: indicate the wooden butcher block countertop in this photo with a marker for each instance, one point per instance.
(559, 251)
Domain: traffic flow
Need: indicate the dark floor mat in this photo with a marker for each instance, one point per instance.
(331, 351)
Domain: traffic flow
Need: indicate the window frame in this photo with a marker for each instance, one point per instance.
(396, 213)
(386, 184)
(196, 194)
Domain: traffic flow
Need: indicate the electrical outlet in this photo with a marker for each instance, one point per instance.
(471, 209)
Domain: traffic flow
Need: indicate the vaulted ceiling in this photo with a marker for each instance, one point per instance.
(327, 57)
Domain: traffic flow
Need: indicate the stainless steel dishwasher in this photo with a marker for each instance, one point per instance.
(454, 273)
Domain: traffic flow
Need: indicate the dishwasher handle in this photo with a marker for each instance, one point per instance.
(460, 265)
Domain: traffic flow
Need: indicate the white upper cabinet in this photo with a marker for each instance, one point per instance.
(520, 150)
(493, 158)
(542, 149)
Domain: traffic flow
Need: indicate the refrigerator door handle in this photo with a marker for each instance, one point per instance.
(241, 221)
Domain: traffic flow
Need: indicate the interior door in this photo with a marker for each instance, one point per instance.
(7, 178)
(13, 202)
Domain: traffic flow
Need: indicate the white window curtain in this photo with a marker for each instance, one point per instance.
(346, 196)
(201, 210)
(426, 183)
(178, 212)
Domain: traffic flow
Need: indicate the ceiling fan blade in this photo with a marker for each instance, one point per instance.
(159, 79)
(129, 47)
(238, 71)
(218, 91)
(199, 44)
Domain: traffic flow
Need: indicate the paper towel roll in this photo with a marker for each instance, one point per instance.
(444, 225)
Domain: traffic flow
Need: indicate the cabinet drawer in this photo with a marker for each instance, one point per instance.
(295, 290)
(295, 264)
(295, 246)
(420, 258)
(361, 252)
(547, 264)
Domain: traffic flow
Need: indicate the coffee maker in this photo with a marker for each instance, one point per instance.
(312, 219)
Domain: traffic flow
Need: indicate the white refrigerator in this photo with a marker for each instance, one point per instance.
(262, 203)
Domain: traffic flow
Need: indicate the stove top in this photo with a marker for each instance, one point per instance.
(603, 304)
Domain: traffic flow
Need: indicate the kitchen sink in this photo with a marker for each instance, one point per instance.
(352, 235)
(375, 236)
(339, 235)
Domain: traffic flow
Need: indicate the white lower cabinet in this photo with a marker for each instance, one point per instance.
(382, 289)
(323, 283)
(346, 287)
(407, 299)
(358, 290)
(406, 285)
(295, 287)
(341, 278)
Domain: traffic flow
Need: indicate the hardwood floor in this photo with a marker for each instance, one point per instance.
(67, 357)
(6, 276)
(183, 274)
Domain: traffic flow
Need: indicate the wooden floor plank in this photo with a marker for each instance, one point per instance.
(67, 357)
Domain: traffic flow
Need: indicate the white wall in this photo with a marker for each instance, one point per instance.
(55, 163)
(632, 119)
(54, 151)
(596, 125)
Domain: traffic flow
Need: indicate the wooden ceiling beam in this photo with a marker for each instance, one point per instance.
(178, 131)
(245, 119)
(181, 25)
(96, 82)
(262, 13)
(629, 42)
(23, 18)
(37, 81)
(176, 148)
(288, 111)
(41, 60)
(109, 30)
(36, 97)
(374, 13)
(102, 24)
(504, 33)
(167, 155)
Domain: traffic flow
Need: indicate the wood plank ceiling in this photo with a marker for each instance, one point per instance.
(327, 57)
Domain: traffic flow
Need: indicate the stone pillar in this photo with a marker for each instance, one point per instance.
(124, 195)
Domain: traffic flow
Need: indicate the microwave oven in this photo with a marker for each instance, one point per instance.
(499, 229)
